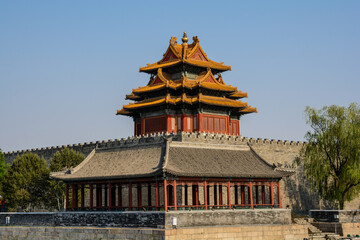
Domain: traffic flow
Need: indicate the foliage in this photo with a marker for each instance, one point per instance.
(62, 161)
(3, 166)
(65, 159)
(331, 158)
(26, 182)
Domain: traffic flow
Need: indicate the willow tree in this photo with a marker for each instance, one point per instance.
(331, 158)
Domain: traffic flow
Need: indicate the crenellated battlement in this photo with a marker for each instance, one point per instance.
(205, 137)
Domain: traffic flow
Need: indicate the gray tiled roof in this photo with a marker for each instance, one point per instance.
(176, 158)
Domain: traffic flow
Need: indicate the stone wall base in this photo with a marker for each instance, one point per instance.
(263, 232)
(342, 229)
(350, 228)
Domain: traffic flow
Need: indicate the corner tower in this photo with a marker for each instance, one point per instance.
(186, 92)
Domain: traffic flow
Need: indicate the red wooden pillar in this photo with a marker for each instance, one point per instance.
(237, 127)
(263, 195)
(130, 196)
(199, 125)
(119, 195)
(215, 195)
(229, 194)
(168, 123)
(91, 196)
(139, 197)
(205, 195)
(165, 196)
(157, 195)
(82, 196)
(196, 195)
(174, 190)
(251, 196)
(279, 199)
(227, 125)
(67, 197)
(271, 194)
(183, 122)
(236, 189)
(110, 197)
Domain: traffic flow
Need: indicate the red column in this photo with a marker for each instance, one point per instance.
(168, 123)
(279, 199)
(263, 194)
(215, 195)
(242, 194)
(130, 196)
(91, 196)
(229, 194)
(205, 195)
(157, 195)
(197, 195)
(220, 195)
(183, 122)
(119, 195)
(271, 194)
(174, 190)
(165, 196)
(67, 197)
(82, 196)
(238, 127)
(251, 197)
(228, 125)
(110, 197)
(199, 125)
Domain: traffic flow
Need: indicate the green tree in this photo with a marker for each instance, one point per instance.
(331, 158)
(26, 182)
(62, 161)
(3, 166)
(65, 159)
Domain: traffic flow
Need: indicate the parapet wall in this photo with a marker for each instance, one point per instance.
(295, 190)
(162, 220)
(87, 147)
(273, 232)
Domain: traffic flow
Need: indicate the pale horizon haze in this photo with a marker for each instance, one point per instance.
(66, 66)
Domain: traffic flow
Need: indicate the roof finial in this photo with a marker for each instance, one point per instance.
(185, 38)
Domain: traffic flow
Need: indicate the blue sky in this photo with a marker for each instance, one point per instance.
(65, 66)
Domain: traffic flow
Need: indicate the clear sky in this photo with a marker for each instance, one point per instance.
(65, 66)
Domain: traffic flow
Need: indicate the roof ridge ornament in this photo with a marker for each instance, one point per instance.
(173, 40)
(185, 39)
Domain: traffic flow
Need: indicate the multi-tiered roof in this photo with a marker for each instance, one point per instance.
(186, 78)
